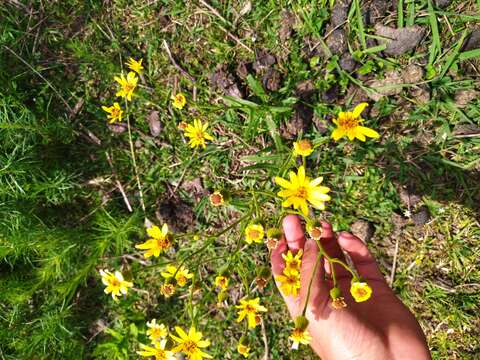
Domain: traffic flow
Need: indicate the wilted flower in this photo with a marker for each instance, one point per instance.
(348, 124)
(300, 191)
(167, 289)
(216, 198)
(114, 112)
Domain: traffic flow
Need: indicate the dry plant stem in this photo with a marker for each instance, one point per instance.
(118, 183)
(134, 161)
(174, 63)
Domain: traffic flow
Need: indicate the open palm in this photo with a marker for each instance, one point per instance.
(380, 328)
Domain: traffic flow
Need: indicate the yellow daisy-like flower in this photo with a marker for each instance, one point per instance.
(300, 336)
(302, 148)
(250, 310)
(360, 291)
(293, 263)
(115, 112)
(127, 84)
(216, 198)
(254, 233)
(156, 332)
(349, 124)
(243, 350)
(197, 134)
(179, 101)
(300, 191)
(167, 289)
(182, 275)
(191, 344)
(158, 242)
(289, 283)
(135, 65)
(115, 283)
(221, 282)
(158, 351)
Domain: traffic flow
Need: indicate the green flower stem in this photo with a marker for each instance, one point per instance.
(340, 262)
(319, 259)
(134, 161)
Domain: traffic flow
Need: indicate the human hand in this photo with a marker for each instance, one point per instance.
(381, 328)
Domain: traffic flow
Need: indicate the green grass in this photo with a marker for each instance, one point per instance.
(62, 216)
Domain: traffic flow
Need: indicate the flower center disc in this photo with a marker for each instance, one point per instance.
(348, 122)
(302, 192)
(253, 234)
(189, 347)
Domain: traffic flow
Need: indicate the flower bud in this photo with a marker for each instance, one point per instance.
(301, 322)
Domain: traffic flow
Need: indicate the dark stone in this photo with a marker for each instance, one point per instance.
(299, 123)
(225, 82)
(272, 79)
(331, 95)
(347, 62)
(399, 41)
(422, 216)
(337, 41)
(263, 60)
(340, 12)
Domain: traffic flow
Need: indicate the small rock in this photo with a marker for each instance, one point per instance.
(337, 41)
(420, 94)
(399, 41)
(117, 128)
(272, 79)
(463, 97)
(154, 123)
(243, 69)
(340, 12)
(286, 25)
(331, 95)
(363, 229)
(320, 124)
(408, 197)
(299, 123)
(347, 62)
(225, 82)
(386, 87)
(412, 74)
(263, 60)
(473, 41)
(305, 89)
(442, 3)
(422, 216)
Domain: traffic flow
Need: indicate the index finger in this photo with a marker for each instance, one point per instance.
(294, 232)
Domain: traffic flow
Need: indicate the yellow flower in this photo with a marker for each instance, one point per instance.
(254, 233)
(135, 65)
(115, 283)
(191, 344)
(167, 289)
(221, 282)
(300, 336)
(300, 191)
(293, 263)
(216, 198)
(197, 134)
(156, 331)
(289, 283)
(179, 101)
(250, 310)
(243, 350)
(349, 124)
(182, 275)
(159, 241)
(114, 112)
(360, 291)
(127, 84)
(158, 351)
(302, 148)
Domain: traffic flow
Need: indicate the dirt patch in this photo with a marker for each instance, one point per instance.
(176, 213)
(363, 229)
(387, 86)
(287, 23)
(225, 82)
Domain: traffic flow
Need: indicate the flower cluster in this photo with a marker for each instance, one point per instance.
(297, 192)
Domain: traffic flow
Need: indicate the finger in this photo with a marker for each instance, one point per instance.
(278, 264)
(332, 248)
(309, 269)
(294, 233)
(361, 257)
